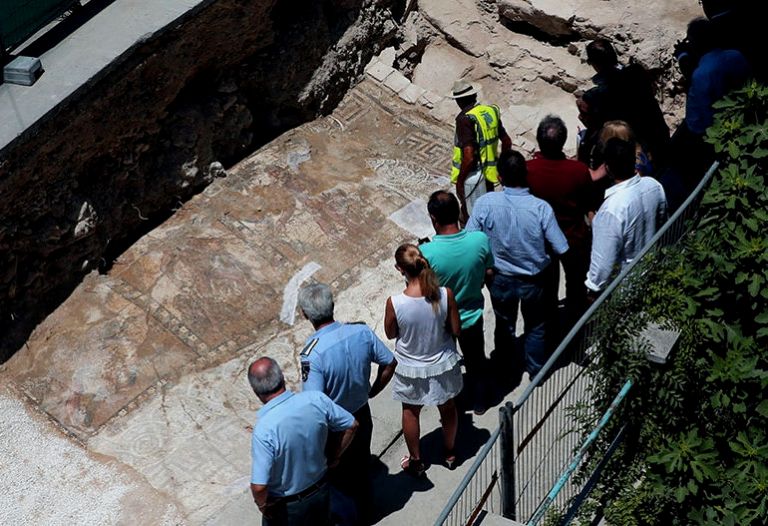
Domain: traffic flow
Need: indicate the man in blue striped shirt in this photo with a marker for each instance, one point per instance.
(520, 227)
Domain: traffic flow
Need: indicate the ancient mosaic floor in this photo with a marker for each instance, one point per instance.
(147, 364)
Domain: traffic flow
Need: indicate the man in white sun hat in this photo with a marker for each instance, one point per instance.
(475, 146)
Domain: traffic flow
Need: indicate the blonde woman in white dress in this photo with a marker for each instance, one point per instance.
(425, 321)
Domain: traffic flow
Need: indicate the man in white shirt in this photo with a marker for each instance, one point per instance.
(634, 208)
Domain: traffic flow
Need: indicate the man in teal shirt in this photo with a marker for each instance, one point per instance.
(463, 261)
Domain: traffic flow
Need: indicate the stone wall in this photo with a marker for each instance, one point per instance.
(157, 126)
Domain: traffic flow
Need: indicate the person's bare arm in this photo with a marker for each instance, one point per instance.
(598, 173)
(342, 444)
(390, 320)
(383, 376)
(453, 314)
(489, 274)
(260, 493)
(506, 143)
(467, 159)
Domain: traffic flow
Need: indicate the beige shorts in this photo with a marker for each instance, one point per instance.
(474, 187)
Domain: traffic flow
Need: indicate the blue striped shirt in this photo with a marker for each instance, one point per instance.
(519, 226)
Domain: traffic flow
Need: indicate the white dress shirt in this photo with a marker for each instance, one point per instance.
(628, 218)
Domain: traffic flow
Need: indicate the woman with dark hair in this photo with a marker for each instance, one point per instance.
(425, 321)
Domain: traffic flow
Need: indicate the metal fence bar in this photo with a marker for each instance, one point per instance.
(506, 426)
(465, 482)
(543, 426)
(593, 478)
(566, 475)
(661, 233)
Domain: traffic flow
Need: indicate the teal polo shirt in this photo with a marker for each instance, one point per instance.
(460, 261)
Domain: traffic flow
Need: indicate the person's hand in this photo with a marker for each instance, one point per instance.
(266, 510)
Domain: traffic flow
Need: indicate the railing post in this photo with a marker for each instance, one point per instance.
(507, 468)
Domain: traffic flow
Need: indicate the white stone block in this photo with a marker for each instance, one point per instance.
(378, 70)
(412, 93)
(396, 81)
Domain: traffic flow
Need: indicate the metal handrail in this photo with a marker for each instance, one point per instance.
(479, 459)
(550, 498)
(568, 340)
(612, 286)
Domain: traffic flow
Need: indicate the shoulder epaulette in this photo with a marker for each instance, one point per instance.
(355, 323)
(308, 347)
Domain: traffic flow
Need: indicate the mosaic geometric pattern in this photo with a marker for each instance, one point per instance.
(160, 314)
(426, 150)
(352, 108)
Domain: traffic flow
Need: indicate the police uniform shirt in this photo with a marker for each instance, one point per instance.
(288, 441)
(339, 358)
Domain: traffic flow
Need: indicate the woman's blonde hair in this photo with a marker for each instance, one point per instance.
(411, 261)
(619, 129)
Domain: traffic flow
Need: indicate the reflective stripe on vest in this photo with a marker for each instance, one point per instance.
(486, 119)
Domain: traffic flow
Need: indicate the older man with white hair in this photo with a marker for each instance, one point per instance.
(337, 361)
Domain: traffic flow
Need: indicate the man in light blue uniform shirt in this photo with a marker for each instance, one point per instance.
(289, 449)
(520, 226)
(337, 361)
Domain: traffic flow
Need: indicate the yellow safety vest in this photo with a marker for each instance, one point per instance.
(486, 119)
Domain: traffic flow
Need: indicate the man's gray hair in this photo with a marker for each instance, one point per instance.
(316, 300)
(267, 380)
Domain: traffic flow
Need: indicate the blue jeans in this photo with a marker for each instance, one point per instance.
(312, 510)
(507, 292)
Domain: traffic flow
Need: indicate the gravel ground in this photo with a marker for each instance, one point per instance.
(45, 478)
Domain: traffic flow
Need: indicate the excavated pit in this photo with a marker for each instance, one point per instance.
(139, 355)
(157, 126)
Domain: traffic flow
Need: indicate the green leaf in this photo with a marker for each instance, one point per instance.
(760, 153)
(680, 494)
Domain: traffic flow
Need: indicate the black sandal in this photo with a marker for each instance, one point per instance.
(450, 460)
(412, 466)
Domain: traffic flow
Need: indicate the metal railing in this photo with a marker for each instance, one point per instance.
(539, 433)
(480, 489)
(544, 430)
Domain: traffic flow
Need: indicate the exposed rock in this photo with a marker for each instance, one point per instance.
(440, 66)
(461, 22)
(217, 170)
(552, 17)
(415, 35)
(633, 27)
(396, 81)
(86, 220)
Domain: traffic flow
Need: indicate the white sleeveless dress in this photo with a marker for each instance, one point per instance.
(428, 371)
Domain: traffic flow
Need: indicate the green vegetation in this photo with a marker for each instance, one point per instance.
(696, 450)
